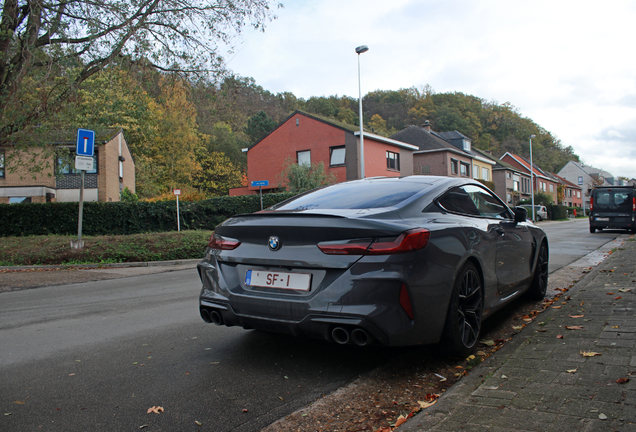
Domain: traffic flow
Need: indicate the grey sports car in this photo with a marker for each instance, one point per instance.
(390, 261)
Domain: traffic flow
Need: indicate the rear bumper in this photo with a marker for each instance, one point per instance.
(363, 300)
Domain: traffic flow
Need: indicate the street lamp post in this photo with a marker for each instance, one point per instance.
(359, 50)
(531, 178)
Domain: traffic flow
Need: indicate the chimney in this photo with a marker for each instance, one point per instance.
(426, 126)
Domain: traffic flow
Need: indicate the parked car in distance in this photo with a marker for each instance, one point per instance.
(613, 207)
(389, 261)
(540, 212)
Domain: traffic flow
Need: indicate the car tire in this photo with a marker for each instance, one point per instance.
(539, 285)
(592, 230)
(539, 218)
(465, 309)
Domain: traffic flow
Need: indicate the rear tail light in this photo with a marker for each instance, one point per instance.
(405, 301)
(591, 203)
(408, 241)
(634, 204)
(223, 243)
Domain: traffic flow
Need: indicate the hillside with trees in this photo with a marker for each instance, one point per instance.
(186, 118)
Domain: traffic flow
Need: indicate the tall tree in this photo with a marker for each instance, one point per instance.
(68, 42)
(258, 126)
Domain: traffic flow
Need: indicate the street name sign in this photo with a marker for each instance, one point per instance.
(85, 143)
(83, 163)
(260, 183)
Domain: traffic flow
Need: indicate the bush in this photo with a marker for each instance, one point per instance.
(126, 217)
(556, 211)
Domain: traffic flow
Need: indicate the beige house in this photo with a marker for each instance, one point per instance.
(113, 170)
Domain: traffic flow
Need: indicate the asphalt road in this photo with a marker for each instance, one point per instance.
(95, 356)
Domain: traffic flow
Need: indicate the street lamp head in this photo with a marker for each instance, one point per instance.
(532, 136)
(362, 49)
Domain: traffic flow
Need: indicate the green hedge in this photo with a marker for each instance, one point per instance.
(115, 218)
(556, 212)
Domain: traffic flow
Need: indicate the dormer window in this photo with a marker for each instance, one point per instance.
(466, 145)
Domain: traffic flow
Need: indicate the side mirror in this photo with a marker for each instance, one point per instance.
(521, 214)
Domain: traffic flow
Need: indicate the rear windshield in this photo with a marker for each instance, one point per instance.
(356, 195)
(613, 199)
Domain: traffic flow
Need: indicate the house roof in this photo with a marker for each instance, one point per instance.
(69, 137)
(526, 164)
(424, 140)
(349, 128)
(566, 182)
(452, 135)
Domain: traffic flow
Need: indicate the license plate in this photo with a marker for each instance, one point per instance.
(602, 219)
(284, 280)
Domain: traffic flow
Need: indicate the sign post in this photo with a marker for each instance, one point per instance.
(84, 151)
(177, 192)
(260, 184)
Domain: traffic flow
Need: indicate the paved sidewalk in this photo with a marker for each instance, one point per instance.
(542, 381)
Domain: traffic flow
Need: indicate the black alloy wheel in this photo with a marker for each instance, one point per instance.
(463, 321)
(539, 285)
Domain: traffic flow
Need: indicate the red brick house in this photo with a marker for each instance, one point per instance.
(306, 138)
(542, 181)
(572, 194)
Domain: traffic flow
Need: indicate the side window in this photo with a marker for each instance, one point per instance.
(458, 201)
(304, 157)
(488, 205)
(337, 156)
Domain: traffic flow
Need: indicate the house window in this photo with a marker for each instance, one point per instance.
(465, 169)
(337, 156)
(484, 174)
(508, 175)
(392, 161)
(475, 171)
(551, 188)
(515, 185)
(66, 165)
(578, 194)
(304, 157)
(454, 167)
(19, 200)
(2, 164)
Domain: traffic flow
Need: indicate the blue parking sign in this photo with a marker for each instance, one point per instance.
(85, 142)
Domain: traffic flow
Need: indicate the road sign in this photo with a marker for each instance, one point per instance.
(83, 163)
(177, 191)
(85, 142)
(260, 183)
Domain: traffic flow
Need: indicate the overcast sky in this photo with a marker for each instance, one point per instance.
(568, 65)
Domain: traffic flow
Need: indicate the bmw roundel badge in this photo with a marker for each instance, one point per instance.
(274, 243)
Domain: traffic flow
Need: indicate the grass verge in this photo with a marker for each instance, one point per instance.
(35, 250)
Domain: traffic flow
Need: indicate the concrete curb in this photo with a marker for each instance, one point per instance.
(192, 262)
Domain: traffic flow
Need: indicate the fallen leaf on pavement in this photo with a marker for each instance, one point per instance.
(401, 420)
(622, 380)
(572, 370)
(624, 290)
(610, 293)
(559, 336)
(618, 298)
(487, 342)
(425, 405)
(198, 423)
(574, 327)
(517, 327)
(556, 307)
(589, 353)
(615, 326)
(155, 409)
(577, 316)
(245, 410)
(441, 378)
(602, 416)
